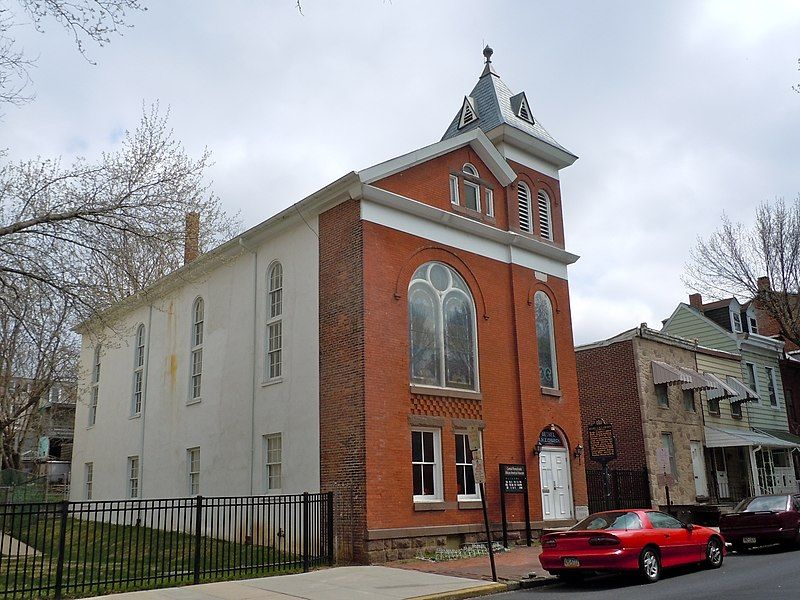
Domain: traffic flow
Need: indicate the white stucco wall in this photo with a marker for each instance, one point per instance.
(226, 424)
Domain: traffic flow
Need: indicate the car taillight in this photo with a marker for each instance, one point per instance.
(603, 541)
(548, 543)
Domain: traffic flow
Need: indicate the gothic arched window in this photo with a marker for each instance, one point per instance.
(545, 340)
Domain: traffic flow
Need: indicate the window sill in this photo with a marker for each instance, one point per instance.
(471, 504)
(548, 391)
(194, 401)
(471, 213)
(135, 416)
(268, 382)
(737, 417)
(428, 390)
(428, 505)
(88, 427)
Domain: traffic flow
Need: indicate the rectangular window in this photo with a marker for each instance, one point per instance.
(193, 469)
(472, 195)
(736, 322)
(273, 459)
(736, 410)
(426, 464)
(668, 443)
(138, 379)
(93, 405)
(88, 477)
(662, 395)
(489, 203)
(197, 372)
(465, 474)
(133, 477)
(771, 386)
(274, 343)
(453, 189)
(750, 376)
(753, 324)
(688, 400)
(713, 406)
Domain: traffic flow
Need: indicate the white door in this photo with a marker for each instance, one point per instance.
(785, 482)
(556, 484)
(699, 468)
(721, 471)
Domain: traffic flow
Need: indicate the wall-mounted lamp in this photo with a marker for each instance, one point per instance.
(537, 449)
(578, 451)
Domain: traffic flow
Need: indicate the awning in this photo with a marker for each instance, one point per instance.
(664, 373)
(717, 437)
(719, 390)
(782, 435)
(698, 382)
(744, 393)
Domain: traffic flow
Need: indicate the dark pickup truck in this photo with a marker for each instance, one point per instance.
(763, 520)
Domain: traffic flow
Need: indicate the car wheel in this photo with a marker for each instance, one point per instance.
(650, 565)
(714, 553)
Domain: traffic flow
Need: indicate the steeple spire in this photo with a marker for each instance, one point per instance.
(488, 69)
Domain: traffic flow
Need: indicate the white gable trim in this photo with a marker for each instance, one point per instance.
(468, 112)
(474, 137)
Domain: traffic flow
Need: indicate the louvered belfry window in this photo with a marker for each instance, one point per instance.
(545, 220)
(524, 199)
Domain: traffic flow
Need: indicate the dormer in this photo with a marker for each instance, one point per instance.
(751, 321)
(735, 315)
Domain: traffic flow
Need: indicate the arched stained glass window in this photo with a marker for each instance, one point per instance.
(545, 340)
(442, 336)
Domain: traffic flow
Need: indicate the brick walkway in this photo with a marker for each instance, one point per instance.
(516, 564)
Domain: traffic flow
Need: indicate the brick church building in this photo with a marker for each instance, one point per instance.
(350, 342)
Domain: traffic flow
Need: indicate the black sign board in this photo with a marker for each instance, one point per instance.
(548, 437)
(513, 478)
(602, 444)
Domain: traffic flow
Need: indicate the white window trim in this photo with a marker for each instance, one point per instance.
(194, 349)
(770, 373)
(438, 495)
(477, 494)
(544, 197)
(138, 369)
(752, 323)
(131, 479)
(756, 387)
(270, 322)
(489, 202)
(477, 189)
(526, 191)
(189, 471)
(454, 190)
(88, 480)
(470, 170)
(736, 321)
(266, 463)
(94, 391)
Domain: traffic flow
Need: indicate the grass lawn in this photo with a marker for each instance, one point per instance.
(103, 557)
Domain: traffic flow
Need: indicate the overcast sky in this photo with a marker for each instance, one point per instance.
(677, 110)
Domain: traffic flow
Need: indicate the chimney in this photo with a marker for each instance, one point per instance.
(191, 237)
(696, 300)
(763, 284)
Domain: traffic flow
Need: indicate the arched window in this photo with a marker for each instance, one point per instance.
(545, 215)
(469, 169)
(94, 393)
(442, 336)
(138, 372)
(274, 342)
(198, 320)
(524, 202)
(545, 340)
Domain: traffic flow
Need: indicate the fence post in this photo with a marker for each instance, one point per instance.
(306, 532)
(330, 528)
(198, 530)
(63, 512)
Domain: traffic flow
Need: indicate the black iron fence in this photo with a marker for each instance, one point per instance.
(621, 488)
(57, 549)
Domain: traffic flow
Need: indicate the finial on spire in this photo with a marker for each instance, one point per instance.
(487, 53)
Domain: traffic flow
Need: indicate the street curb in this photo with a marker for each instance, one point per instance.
(473, 592)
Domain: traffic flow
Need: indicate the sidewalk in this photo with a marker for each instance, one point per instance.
(341, 583)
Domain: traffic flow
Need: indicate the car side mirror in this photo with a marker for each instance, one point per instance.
(688, 526)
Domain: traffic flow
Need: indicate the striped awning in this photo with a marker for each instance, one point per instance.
(664, 373)
(698, 382)
(744, 392)
(719, 390)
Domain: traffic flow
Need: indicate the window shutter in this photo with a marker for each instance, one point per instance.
(545, 225)
(524, 200)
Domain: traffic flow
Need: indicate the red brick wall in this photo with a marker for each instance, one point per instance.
(607, 381)
(341, 366)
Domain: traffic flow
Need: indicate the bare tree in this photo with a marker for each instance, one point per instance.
(733, 259)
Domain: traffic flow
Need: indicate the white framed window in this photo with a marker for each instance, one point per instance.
(472, 191)
(489, 202)
(273, 462)
(545, 340)
(752, 322)
(193, 470)
(138, 372)
(426, 464)
(545, 215)
(274, 341)
(443, 343)
(668, 443)
(772, 386)
(94, 392)
(88, 479)
(736, 321)
(453, 189)
(196, 357)
(133, 477)
(524, 203)
(736, 410)
(466, 486)
(751, 380)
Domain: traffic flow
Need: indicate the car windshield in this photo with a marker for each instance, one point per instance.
(760, 503)
(610, 520)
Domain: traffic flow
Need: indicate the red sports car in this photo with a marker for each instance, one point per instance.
(643, 541)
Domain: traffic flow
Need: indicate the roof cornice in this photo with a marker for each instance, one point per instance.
(525, 141)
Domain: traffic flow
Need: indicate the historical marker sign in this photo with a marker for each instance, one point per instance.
(513, 478)
(602, 444)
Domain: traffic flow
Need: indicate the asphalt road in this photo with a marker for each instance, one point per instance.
(763, 574)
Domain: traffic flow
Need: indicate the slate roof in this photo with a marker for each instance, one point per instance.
(492, 102)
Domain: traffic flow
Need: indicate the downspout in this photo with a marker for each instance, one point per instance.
(754, 469)
(253, 371)
(144, 396)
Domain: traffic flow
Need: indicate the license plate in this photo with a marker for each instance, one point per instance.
(748, 540)
(572, 563)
